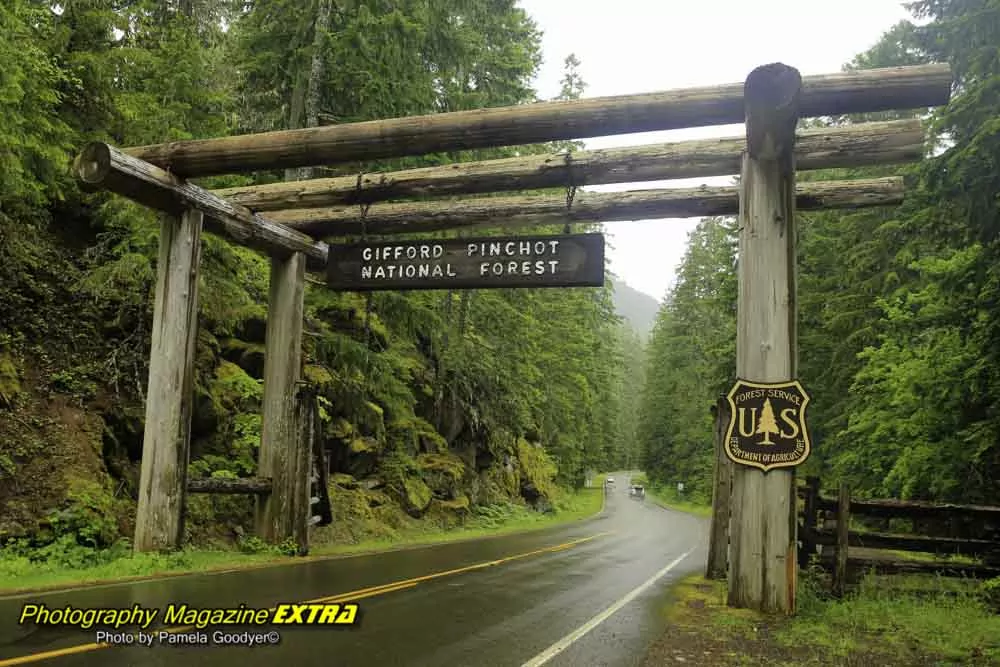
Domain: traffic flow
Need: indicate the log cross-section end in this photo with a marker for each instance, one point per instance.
(102, 166)
(94, 163)
(771, 98)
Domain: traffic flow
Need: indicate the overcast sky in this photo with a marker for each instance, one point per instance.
(639, 46)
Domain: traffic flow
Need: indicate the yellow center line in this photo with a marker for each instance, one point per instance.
(331, 599)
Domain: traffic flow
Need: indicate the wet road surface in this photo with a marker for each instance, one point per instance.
(577, 595)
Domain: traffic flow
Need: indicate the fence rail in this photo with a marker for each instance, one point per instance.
(971, 531)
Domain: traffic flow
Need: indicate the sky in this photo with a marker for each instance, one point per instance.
(641, 46)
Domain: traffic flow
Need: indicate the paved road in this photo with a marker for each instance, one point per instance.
(580, 595)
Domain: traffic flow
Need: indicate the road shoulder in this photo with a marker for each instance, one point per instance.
(198, 562)
(873, 628)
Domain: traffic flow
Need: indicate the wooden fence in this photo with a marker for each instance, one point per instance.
(825, 531)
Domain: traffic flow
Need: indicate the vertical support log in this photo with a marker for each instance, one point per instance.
(809, 521)
(319, 475)
(159, 522)
(305, 421)
(718, 546)
(763, 567)
(843, 531)
(279, 440)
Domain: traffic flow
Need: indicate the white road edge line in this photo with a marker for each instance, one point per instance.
(568, 640)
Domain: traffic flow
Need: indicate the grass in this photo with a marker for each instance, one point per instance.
(939, 622)
(19, 574)
(924, 557)
(670, 498)
(939, 619)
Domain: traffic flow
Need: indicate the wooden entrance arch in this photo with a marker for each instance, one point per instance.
(288, 220)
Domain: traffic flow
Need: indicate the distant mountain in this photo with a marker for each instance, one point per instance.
(637, 308)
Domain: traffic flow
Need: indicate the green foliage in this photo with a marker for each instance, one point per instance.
(10, 385)
(537, 467)
(991, 594)
(411, 385)
(35, 139)
(691, 360)
(898, 308)
(493, 516)
(250, 544)
(90, 515)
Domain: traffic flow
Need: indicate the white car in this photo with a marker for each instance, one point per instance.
(610, 481)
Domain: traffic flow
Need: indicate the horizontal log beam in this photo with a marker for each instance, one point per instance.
(587, 207)
(902, 566)
(252, 485)
(951, 545)
(911, 509)
(823, 95)
(103, 166)
(860, 145)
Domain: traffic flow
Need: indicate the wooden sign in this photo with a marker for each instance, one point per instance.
(569, 260)
(767, 425)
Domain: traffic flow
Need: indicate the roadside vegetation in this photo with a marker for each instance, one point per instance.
(436, 421)
(667, 495)
(67, 563)
(885, 621)
(898, 342)
(898, 347)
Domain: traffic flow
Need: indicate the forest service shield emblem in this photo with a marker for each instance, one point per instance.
(767, 424)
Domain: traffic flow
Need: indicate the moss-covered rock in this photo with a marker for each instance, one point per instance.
(361, 515)
(498, 484)
(253, 325)
(341, 428)
(317, 376)
(458, 504)
(232, 388)
(416, 496)
(362, 445)
(248, 356)
(442, 472)
(362, 465)
(415, 435)
(344, 481)
(371, 419)
(207, 350)
(10, 385)
(537, 473)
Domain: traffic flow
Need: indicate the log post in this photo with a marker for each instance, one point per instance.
(843, 533)
(305, 422)
(320, 509)
(279, 441)
(763, 568)
(159, 522)
(718, 546)
(809, 521)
